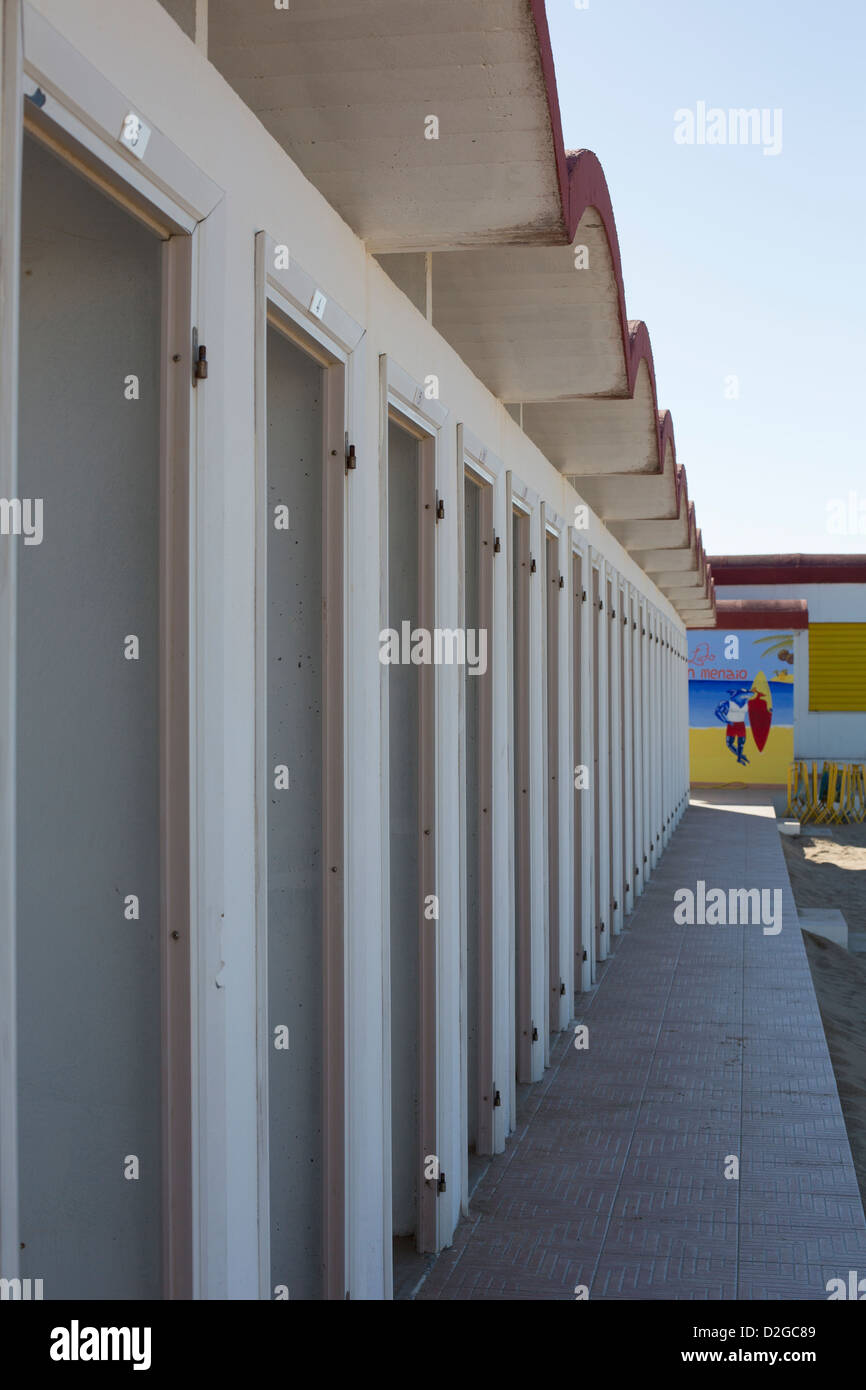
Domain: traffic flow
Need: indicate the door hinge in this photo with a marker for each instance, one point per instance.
(562, 987)
(601, 928)
(532, 565)
(562, 581)
(600, 605)
(497, 1099)
(612, 614)
(441, 1184)
(584, 953)
(583, 595)
(497, 544)
(440, 508)
(615, 904)
(199, 359)
(351, 461)
(534, 1033)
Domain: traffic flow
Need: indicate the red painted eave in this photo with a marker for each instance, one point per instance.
(582, 185)
(789, 569)
(742, 614)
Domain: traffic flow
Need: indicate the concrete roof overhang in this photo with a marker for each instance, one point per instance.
(347, 86)
(527, 281)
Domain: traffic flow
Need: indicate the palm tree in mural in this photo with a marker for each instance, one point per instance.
(776, 644)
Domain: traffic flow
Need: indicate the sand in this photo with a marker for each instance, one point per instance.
(840, 984)
(830, 871)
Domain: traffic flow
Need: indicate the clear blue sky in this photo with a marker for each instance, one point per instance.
(739, 263)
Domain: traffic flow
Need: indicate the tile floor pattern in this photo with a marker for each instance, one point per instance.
(705, 1041)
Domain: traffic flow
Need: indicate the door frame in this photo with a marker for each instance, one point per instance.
(527, 1058)
(636, 865)
(285, 298)
(404, 402)
(596, 599)
(556, 915)
(583, 939)
(485, 470)
(54, 94)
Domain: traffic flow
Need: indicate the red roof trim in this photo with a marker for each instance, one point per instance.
(746, 613)
(582, 185)
(789, 569)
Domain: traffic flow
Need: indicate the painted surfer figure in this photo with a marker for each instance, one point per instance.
(732, 713)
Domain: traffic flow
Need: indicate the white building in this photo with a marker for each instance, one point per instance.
(829, 650)
(310, 328)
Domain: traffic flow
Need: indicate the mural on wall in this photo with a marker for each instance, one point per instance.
(741, 706)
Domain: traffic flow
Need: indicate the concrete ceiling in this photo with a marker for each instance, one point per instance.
(524, 265)
(346, 87)
(531, 325)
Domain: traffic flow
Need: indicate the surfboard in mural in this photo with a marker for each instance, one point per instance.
(760, 711)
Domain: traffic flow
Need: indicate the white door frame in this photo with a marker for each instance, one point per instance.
(405, 402)
(289, 300)
(485, 471)
(55, 94)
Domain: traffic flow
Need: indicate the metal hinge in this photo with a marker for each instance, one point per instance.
(613, 613)
(532, 565)
(600, 604)
(615, 904)
(583, 595)
(351, 461)
(440, 508)
(441, 1184)
(497, 1099)
(199, 359)
(562, 987)
(584, 953)
(497, 544)
(562, 581)
(534, 1033)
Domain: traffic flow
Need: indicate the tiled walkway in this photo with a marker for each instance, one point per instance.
(705, 1042)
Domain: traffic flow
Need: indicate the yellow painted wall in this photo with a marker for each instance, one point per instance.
(837, 666)
(711, 759)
